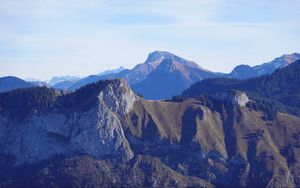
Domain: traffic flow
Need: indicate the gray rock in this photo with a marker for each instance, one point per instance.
(233, 96)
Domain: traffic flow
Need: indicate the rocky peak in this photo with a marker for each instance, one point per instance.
(233, 97)
(159, 56)
(290, 58)
(155, 56)
(118, 96)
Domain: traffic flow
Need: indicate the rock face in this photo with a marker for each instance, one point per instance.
(232, 96)
(105, 135)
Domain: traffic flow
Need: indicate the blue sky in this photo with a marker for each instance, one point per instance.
(40, 39)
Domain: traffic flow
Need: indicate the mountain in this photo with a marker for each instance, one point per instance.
(104, 135)
(84, 81)
(10, 83)
(245, 71)
(76, 84)
(141, 71)
(57, 79)
(170, 78)
(112, 71)
(40, 83)
(161, 76)
(64, 85)
(283, 87)
(133, 76)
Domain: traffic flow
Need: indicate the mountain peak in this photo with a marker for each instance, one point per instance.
(156, 57)
(292, 55)
(290, 58)
(159, 55)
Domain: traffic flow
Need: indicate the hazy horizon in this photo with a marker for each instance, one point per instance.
(56, 38)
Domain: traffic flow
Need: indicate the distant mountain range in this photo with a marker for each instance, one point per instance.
(56, 79)
(65, 82)
(246, 71)
(133, 76)
(40, 84)
(164, 75)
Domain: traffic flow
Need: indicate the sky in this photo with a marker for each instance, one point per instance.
(44, 38)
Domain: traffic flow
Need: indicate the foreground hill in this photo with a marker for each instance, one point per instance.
(10, 83)
(104, 135)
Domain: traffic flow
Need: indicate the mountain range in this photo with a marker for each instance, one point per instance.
(221, 132)
(246, 71)
(139, 72)
(164, 75)
(174, 74)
